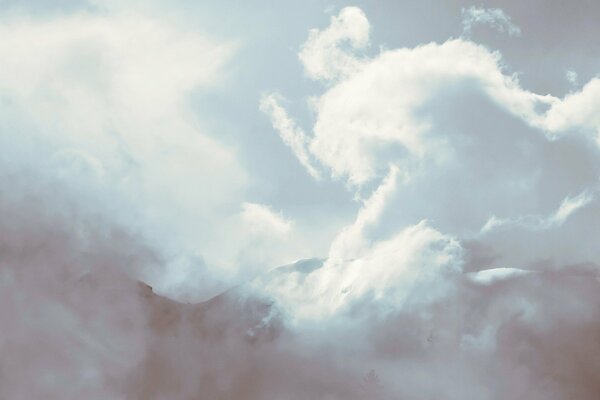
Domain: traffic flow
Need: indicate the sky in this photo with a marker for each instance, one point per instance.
(378, 199)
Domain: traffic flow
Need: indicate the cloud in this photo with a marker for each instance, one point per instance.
(378, 115)
(291, 134)
(576, 112)
(490, 276)
(427, 112)
(493, 17)
(362, 268)
(571, 76)
(113, 88)
(322, 54)
(102, 101)
(263, 221)
(266, 239)
(567, 207)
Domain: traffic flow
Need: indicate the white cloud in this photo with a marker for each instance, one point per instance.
(414, 261)
(409, 268)
(571, 76)
(353, 239)
(576, 111)
(535, 222)
(370, 118)
(255, 240)
(492, 17)
(261, 220)
(378, 114)
(361, 269)
(569, 206)
(290, 133)
(494, 275)
(322, 54)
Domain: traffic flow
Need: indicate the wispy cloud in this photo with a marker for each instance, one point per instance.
(290, 133)
(557, 218)
(495, 18)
